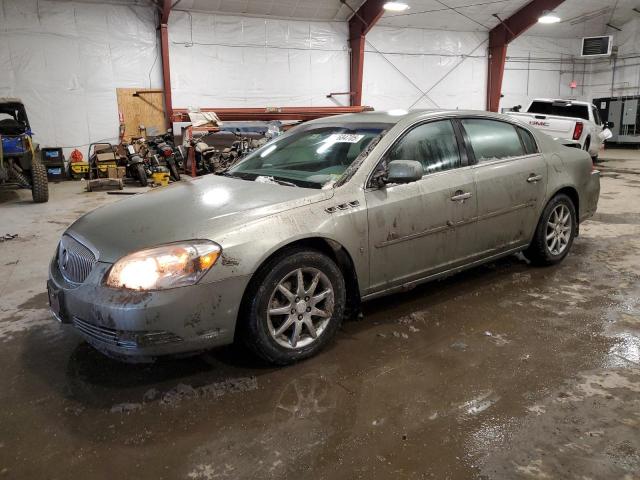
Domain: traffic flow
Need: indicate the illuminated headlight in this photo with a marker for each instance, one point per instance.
(166, 266)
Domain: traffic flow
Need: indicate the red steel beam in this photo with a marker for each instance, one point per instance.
(359, 25)
(499, 38)
(271, 113)
(166, 71)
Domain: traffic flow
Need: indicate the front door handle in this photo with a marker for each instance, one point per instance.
(533, 178)
(461, 196)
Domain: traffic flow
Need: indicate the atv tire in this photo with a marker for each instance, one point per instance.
(39, 183)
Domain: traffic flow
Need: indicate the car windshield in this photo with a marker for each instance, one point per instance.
(560, 109)
(308, 157)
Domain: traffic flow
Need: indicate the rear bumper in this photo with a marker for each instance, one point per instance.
(133, 325)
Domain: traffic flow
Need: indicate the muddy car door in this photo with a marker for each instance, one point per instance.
(414, 227)
(511, 179)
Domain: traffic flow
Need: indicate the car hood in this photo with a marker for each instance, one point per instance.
(202, 208)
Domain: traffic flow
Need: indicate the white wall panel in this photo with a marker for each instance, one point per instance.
(66, 59)
(548, 77)
(402, 63)
(601, 81)
(535, 67)
(228, 61)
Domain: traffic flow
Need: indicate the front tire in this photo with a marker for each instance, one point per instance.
(293, 306)
(39, 183)
(555, 232)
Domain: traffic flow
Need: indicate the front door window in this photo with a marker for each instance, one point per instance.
(432, 144)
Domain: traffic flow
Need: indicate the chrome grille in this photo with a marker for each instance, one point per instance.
(75, 261)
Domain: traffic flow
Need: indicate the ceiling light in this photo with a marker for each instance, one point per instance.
(395, 6)
(549, 17)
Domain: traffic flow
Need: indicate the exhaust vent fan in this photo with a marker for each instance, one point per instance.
(597, 46)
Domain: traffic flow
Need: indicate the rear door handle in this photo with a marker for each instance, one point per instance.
(533, 178)
(461, 196)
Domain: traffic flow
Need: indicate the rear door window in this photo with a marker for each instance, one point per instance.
(530, 146)
(492, 139)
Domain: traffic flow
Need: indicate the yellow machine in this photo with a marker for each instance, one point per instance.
(79, 169)
(160, 178)
(102, 156)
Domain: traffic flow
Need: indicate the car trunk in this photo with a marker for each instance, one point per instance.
(552, 125)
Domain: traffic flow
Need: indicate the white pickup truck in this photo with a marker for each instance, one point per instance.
(568, 120)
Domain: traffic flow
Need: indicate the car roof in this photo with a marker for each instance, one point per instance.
(10, 100)
(397, 115)
(574, 102)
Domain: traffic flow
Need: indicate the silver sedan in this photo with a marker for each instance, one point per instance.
(277, 251)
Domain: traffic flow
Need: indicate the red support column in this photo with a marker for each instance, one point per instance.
(499, 38)
(357, 69)
(359, 25)
(497, 60)
(166, 71)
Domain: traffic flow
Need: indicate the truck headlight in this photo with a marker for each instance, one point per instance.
(165, 266)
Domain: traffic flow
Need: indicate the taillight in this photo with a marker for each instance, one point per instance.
(577, 132)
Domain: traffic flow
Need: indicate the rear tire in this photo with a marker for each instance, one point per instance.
(282, 322)
(39, 183)
(554, 233)
(142, 175)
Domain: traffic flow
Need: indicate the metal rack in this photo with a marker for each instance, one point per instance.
(270, 113)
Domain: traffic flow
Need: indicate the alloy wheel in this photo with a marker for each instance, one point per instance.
(300, 308)
(558, 232)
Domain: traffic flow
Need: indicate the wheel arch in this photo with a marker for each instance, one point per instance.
(334, 250)
(572, 193)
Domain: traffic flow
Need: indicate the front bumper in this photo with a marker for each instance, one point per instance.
(130, 324)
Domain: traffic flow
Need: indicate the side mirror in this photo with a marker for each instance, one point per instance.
(609, 125)
(404, 171)
(605, 134)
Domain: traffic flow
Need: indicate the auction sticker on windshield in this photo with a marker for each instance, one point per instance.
(345, 138)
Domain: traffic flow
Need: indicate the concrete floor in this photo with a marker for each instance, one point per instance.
(506, 371)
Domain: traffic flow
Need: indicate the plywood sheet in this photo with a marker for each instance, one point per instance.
(141, 107)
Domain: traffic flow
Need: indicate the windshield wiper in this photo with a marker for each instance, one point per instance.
(284, 182)
(241, 176)
(271, 179)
